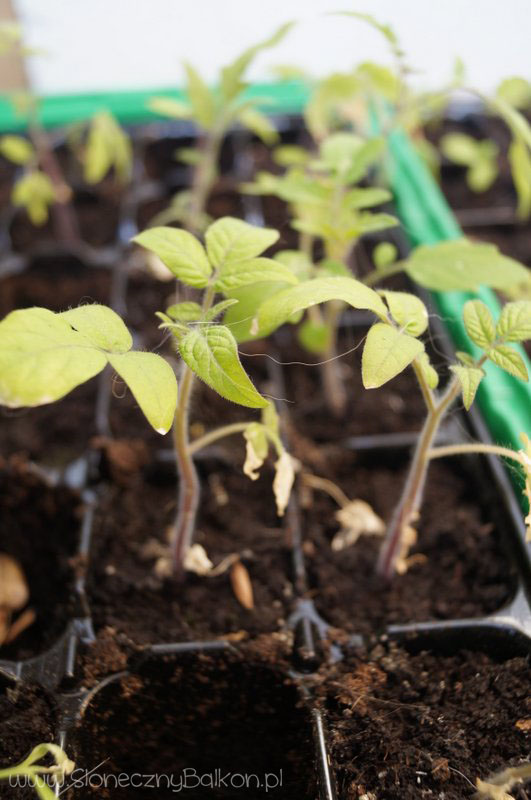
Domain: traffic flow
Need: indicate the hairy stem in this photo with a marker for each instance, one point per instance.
(204, 177)
(334, 387)
(474, 447)
(408, 507)
(215, 435)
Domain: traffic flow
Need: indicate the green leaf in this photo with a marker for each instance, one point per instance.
(219, 308)
(42, 358)
(515, 91)
(16, 149)
(408, 311)
(243, 273)
(153, 384)
(200, 97)
(101, 326)
(463, 265)
(469, 378)
(459, 148)
(168, 107)
(296, 261)
(187, 311)
(514, 324)
(211, 353)
(107, 147)
(315, 337)
(466, 358)
(430, 375)
(384, 254)
(280, 307)
(181, 252)
(240, 317)
(387, 352)
(291, 155)
(35, 192)
(482, 174)
(366, 198)
(509, 360)
(188, 155)
(259, 124)
(349, 155)
(229, 240)
(479, 323)
(366, 222)
(232, 74)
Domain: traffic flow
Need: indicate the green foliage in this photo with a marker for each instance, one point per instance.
(516, 92)
(408, 311)
(469, 378)
(33, 771)
(281, 306)
(315, 337)
(108, 147)
(462, 265)
(16, 149)
(428, 372)
(514, 324)
(384, 255)
(34, 191)
(211, 352)
(181, 252)
(480, 158)
(479, 323)
(43, 356)
(231, 241)
(520, 162)
(387, 352)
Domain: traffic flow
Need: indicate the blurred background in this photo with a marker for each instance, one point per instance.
(120, 44)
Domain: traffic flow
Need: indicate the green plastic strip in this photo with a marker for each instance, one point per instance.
(504, 400)
(131, 107)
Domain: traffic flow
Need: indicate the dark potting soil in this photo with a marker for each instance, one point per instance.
(40, 531)
(403, 727)
(57, 282)
(27, 718)
(214, 725)
(459, 567)
(97, 217)
(236, 515)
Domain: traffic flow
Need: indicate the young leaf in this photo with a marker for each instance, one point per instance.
(184, 256)
(370, 223)
(212, 353)
(229, 240)
(291, 155)
(42, 358)
(515, 91)
(200, 97)
(408, 311)
(430, 375)
(16, 149)
(384, 255)
(244, 273)
(366, 198)
(459, 148)
(35, 193)
(259, 124)
(387, 352)
(107, 147)
(469, 378)
(509, 360)
(219, 308)
(281, 306)
(314, 336)
(101, 326)
(479, 323)
(514, 324)
(232, 75)
(520, 161)
(152, 382)
(240, 317)
(463, 265)
(187, 311)
(168, 107)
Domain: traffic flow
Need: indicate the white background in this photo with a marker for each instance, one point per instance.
(127, 44)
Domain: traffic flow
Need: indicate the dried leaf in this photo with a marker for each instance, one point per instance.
(241, 585)
(356, 518)
(22, 622)
(196, 560)
(497, 785)
(283, 481)
(14, 592)
(523, 724)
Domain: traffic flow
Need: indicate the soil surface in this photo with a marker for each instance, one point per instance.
(403, 727)
(229, 719)
(458, 566)
(27, 718)
(40, 531)
(126, 592)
